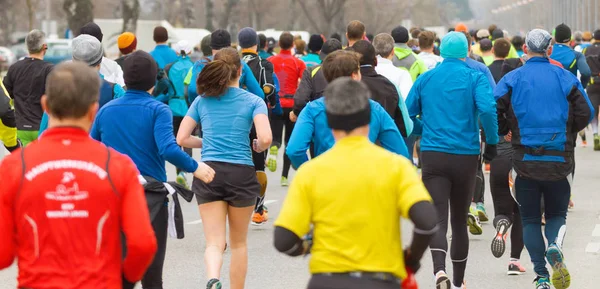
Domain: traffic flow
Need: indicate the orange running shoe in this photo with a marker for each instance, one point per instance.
(259, 219)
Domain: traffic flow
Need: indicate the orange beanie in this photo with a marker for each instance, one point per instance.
(127, 42)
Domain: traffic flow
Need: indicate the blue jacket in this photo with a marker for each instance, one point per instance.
(247, 80)
(572, 61)
(142, 128)
(544, 106)
(163, 55)
(108, 92)
(449, 100)
(312, 126)
(177, 73)
(474, 64)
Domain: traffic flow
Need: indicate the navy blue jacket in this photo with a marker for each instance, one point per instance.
(544, 106)
(141, 127)
(449, 100)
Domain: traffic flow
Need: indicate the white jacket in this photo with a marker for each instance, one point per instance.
(112, 72)
(399, 77)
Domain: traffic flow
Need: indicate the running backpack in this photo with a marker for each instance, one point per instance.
(163, 86)
(263, 71)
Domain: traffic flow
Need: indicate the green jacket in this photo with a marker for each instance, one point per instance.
(407, 59)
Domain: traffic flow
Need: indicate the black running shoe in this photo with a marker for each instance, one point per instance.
(499, 242)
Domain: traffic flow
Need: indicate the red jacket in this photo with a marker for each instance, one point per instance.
(63, 205)
(289, 71)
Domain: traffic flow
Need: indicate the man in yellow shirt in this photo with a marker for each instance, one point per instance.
(355, 206)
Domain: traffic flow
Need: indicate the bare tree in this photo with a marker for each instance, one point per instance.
(209, 8)
(189, 19)
(31, 7)
(79, 13)
(330, 12)
(131, 12)
(229, 6)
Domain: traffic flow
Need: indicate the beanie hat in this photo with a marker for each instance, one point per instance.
(92, 29)
(127, 43)
(485, 44)
(454, 45)
(597, 34)
(461, 27)
(315, 43)
(87, 49)
(400, 34)
(160, 34)
(538, 40)
(139, 71)
(483, 33)
(183, 45)
(497, 34)
(247, 37)
(562, 33)
(219, 39)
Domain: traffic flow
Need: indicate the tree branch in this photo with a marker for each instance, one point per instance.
(307, 14)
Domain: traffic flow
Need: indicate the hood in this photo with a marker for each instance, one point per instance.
(402, 52)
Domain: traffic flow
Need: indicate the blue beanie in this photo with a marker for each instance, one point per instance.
(454, 45)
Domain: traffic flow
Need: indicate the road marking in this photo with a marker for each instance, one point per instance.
(200, 221)
(592, 248)
(596, 232)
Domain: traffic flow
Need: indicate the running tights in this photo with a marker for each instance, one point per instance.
(479, 185)
(153, 277)
(505, 206)
(278, 125)
(347, 282)
(450, 179)
(176, 124)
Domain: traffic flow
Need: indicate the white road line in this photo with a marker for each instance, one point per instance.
(200, 221)
(592, 248)
(596, 232)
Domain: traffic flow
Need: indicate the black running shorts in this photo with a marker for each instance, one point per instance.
(233, 183)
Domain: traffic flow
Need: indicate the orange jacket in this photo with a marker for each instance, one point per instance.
(64, 201)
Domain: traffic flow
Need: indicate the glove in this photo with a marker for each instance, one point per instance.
(410, 263)
(490, 152)
(127, 284)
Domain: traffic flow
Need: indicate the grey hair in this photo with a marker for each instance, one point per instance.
(384, 44)
(345, 96)
(35, 41)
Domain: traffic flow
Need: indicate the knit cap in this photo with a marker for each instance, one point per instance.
(127, 43)
(87, 49)
(454, 45)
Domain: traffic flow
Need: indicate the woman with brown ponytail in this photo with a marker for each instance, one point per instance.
(226, 114)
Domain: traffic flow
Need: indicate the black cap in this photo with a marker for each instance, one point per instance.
(400, 34)
(160, 34)
(315, 43)
(92, 29)
(562, 33)
(139, 71)
(271, 42)
(485, 44)
(597, 34)
(329, 46)
(220, 39)
(497, 34)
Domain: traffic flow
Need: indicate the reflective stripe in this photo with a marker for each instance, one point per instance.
(314, 71)
(101, 223)
(36, 238)
(573, 64)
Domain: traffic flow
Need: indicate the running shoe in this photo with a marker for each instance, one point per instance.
(596, 142)
(181, 180)
(442, 281)
(272, 159)
(284, 182)
(481, 213)
(259, 219)
(474, 224)
(214, 284)
(499, 242)
(542, 283)
(561, 279)
(515, 268)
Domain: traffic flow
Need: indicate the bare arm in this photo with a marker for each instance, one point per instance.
(184, 135)
(263, 132)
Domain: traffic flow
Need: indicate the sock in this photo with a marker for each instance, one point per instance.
(262, 180)
(595, 125)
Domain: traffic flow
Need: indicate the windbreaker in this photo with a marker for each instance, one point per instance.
(544, 106)
(572, 61)
(449, 100)
(312, 126)
(407, 59)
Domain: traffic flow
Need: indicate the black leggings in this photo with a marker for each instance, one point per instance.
(277, 126)
(347, 282)
(450, 179)
(479, 185)
(505, 206)
(153, 277)
(176, 124)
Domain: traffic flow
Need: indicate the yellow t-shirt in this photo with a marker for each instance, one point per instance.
(354, 195)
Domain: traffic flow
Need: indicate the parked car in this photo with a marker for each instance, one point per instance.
(7, 58)
(58, 51)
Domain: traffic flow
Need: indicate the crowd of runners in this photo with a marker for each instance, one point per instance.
(356, 117)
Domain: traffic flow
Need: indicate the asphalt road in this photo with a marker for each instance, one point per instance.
(268, 269)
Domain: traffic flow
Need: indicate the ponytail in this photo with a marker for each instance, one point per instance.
(216, 76)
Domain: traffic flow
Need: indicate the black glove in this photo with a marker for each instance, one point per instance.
(410, 262)
(127, 284)
(490, 152)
